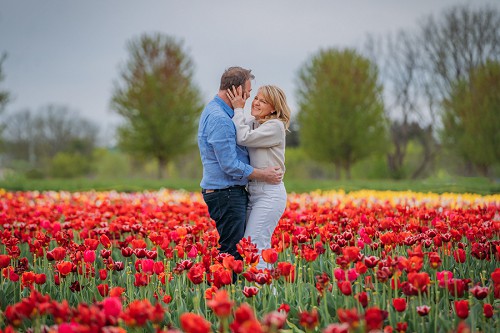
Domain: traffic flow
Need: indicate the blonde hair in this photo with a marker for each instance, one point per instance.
(277, 99)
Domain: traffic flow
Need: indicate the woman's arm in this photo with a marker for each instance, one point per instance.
(268, 134)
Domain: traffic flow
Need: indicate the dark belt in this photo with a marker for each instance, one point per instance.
(236, 187)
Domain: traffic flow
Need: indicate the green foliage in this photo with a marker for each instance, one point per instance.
(341, 110)
(110, 164)
(68, 165)
(299, 166)
(158, 100)
(373, 167)
(471, 118)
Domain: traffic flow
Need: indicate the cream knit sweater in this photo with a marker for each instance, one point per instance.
(265, 142)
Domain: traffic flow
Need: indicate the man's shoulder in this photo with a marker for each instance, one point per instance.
(214, 112)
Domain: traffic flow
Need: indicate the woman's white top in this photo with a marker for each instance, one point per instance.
(265, 142)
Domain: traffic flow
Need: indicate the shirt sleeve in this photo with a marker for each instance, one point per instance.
(268, 134)
(222, 138)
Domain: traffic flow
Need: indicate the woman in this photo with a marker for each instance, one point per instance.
(264, 137)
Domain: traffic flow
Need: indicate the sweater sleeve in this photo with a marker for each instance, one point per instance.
(269, 134)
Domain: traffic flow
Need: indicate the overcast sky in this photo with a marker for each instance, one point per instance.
(70, 52)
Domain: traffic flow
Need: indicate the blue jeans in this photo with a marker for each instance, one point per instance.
(227, 207)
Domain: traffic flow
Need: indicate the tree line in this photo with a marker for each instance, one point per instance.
(410, 99)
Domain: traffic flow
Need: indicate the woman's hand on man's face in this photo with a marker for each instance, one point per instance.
(237, 97)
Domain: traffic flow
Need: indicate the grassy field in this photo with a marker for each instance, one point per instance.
(458, 185)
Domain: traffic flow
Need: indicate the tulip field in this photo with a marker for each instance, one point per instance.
(364, 261)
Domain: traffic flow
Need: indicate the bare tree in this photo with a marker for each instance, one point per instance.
(419, 69)
(4, 95)
(458, 42)
(37, 137)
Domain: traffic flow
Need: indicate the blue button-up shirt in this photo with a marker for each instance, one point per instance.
(224, 162)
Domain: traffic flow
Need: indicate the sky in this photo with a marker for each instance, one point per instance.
(70, 53)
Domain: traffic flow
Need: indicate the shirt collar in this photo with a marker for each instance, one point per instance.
(225, 107)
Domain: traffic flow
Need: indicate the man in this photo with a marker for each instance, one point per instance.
(226, 167)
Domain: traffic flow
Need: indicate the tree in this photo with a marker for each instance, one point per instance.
(471, 121)
(420, 69)
(460, 41)
(4, 95)
(341, 110)
(399, 61)
(157, 99)
(38, 137)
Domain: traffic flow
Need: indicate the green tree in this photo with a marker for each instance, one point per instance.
(157, 99)
(341, 110)
(471, 121)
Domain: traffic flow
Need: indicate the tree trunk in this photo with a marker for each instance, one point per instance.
(162, 162)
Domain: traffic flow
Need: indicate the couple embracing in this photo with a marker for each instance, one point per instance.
(244, 161)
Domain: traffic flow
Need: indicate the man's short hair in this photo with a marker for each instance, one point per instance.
(235, 76)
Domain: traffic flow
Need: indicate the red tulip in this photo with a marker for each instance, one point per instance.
(196, 273)
(127, 251)
(112, 307)
(147, 266)
(250, 291)
(284, 308)
(193, 252)
(137, 313)
(4, 260)
(374, 318)
(193, 323)
(221, 304)
(309, 320)
(116, 291)
(349, 316)
(362, 298)
(457, 287)
(401, 327)
(105, 253)
(64, 267)
(245, 321)
(462, 308)
(459, 256)
(89, 256)
(140, 252)
(444, 278)
(118, 266)
(399, 304)
(103, 274)
(488, 310)
(56, 254)
(103, 289)
(479, 292)
(419, 280)
(141, 279)
(105, 241)
(423, 310)
(274, 321)
(434, 260)
(345, 287)
(40, 278)
(158, 267)
(270, 255)
(91, 244)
